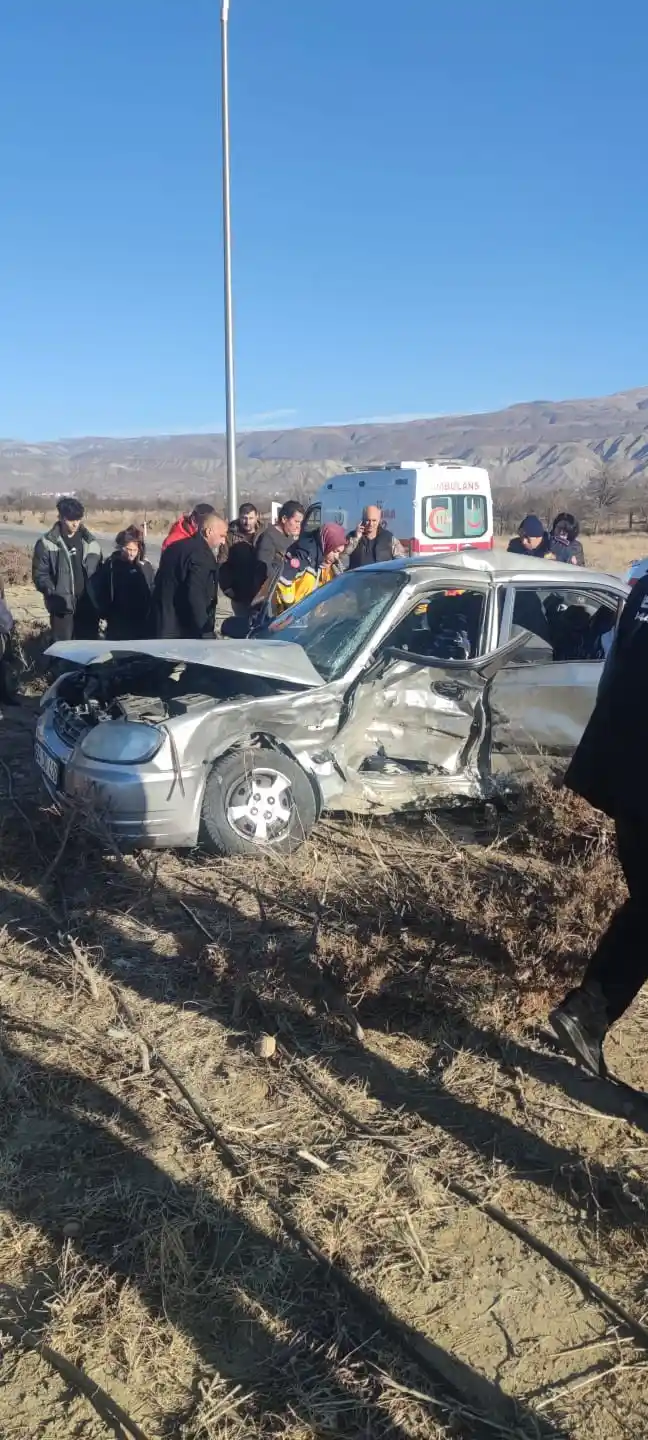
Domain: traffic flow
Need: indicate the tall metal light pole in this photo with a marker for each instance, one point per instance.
(230, 405)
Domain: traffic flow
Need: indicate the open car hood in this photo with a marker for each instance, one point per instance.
(271, 659)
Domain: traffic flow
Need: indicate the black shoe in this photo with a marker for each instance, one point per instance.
(581, 1026)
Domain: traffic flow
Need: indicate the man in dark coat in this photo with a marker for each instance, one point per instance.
(186, 584)
(241, 573)
(372, 542)
(187, 525)
(63, 563)
(610, 770)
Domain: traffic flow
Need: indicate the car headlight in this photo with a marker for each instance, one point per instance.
(122, 742)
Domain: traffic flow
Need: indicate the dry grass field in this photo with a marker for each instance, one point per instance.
(304, 1245)
(105, 521)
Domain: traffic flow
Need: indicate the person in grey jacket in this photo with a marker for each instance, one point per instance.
(64, 561)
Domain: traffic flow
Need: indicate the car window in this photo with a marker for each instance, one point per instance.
(565, 624)
(312, 520)
(447, 625)
(334, 623)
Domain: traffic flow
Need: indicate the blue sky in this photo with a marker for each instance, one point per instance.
(439, 206)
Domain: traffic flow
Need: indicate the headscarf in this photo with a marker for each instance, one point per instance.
(332, 537)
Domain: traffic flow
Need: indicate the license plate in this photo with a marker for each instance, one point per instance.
(46, 762)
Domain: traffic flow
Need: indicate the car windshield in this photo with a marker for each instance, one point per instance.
(334, 623)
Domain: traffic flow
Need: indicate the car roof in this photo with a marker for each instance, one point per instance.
(499, 565)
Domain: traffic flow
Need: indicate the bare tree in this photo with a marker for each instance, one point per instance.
(507, 508)
(636, 503)
(603, 494)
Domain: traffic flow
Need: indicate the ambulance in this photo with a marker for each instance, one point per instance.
(431, 506)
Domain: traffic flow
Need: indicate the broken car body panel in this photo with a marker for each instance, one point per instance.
(375, 727)
(417, 730)
(289, 663)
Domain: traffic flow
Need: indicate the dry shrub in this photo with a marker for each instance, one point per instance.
(499, 919)
(15, 565)
(557, 825)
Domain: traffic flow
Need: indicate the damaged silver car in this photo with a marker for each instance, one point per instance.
(395, 687)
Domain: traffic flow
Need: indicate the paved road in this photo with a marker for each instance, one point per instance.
(20, 535)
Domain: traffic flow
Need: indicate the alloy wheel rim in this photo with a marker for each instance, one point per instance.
(259, 806)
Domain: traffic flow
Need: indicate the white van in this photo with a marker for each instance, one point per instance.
(431, 506)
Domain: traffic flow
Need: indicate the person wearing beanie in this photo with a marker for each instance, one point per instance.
(121, 588)
(311, 562)
(63, 563)
(531, 539)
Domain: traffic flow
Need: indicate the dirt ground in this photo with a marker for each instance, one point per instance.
(161, 1256)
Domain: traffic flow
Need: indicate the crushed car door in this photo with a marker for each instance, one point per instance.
(415, 729)
(538, 714)
(540, 702)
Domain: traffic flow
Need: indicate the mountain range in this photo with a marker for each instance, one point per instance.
(543, 444)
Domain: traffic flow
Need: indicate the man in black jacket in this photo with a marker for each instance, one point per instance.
(186, 584)
(273, 542)
(371, 542)
(64, 561)
(241, 574)
(610, 770)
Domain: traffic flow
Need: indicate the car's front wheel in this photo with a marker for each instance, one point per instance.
(255, 800)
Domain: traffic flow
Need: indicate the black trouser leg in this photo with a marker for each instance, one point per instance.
(620, 962)
(62, 626)
(7, 682)
(86, 620)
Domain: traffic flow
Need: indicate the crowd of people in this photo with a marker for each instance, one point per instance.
(249, 563)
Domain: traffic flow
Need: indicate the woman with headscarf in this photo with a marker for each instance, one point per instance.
(121, 588)
(312, 561)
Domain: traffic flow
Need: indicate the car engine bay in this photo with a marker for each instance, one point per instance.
(146, 689)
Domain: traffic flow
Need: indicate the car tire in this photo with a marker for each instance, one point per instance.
(255, 801)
